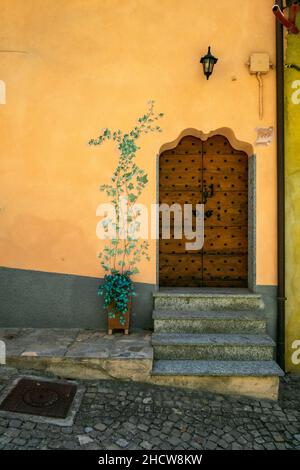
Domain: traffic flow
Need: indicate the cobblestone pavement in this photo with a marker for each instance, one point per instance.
(123, 415)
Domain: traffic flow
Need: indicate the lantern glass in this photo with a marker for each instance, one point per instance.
(208, 61)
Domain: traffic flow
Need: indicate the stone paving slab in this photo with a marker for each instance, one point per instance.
(75, 343)
(52, 342)
(126, 415)
(101, 345)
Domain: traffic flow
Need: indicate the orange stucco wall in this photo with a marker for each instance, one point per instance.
(90, 64)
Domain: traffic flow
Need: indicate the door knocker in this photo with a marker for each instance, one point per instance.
(207, 194)
(208, 213)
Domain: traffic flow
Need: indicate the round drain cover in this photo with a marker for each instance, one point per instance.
(40, 397)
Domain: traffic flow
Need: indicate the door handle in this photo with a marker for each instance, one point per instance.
(207, 194)
(208, 213)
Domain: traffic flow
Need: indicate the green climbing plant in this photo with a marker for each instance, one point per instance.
(122, 255)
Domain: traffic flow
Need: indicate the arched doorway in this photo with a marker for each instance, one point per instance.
(212, 170)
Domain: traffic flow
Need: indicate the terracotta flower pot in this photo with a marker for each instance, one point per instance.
(114, 323)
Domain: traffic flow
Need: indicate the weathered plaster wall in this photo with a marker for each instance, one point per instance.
(87, 65)
(292, 162)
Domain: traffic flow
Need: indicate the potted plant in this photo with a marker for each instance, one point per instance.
(124, 250)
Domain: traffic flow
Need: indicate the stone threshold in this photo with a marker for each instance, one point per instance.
(206, 291)
(203, 290)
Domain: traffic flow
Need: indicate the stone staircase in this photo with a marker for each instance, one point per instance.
(214, 340)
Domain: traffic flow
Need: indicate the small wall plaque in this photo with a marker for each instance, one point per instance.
(264, 135)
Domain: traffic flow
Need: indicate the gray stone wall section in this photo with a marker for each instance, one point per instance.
(157, 222)
(252, 222)
(269, 296)
(34, 299)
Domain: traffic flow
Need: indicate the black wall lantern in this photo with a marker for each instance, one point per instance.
(208, 61)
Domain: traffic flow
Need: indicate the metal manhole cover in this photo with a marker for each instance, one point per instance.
(40, 398)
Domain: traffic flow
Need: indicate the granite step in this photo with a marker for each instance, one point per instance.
(212, 346)
(217, 368)
(247, 321)
(207, 299)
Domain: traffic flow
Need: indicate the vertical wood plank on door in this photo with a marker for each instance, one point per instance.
(180, 182)
(225, 251)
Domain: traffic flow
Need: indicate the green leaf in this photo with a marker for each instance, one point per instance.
(142, 179)
(107, 133)
(132, 197)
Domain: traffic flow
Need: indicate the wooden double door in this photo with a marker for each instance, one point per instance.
(212, 173)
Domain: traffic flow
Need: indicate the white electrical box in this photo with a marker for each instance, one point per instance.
(259, 62)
